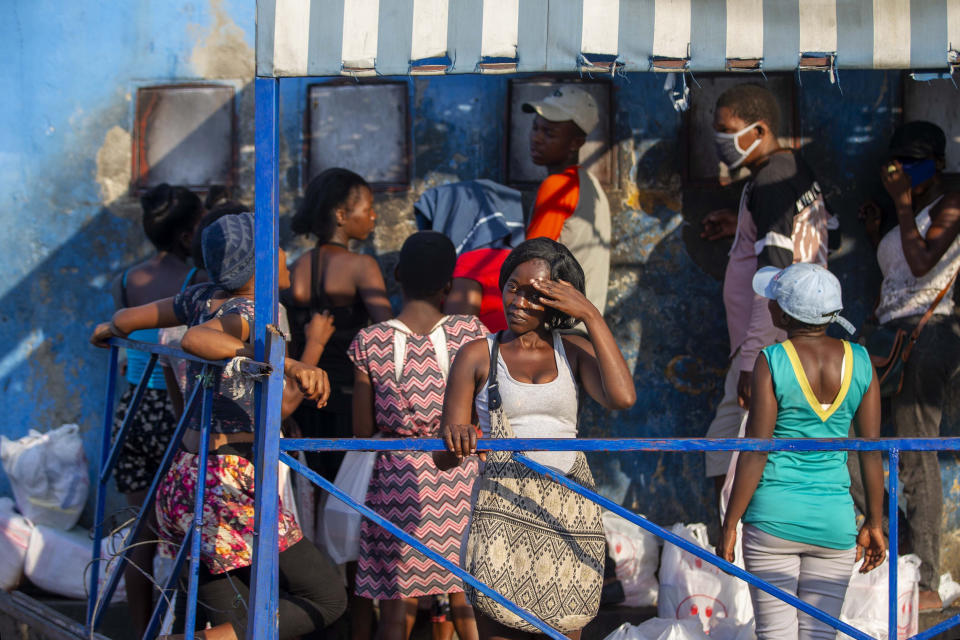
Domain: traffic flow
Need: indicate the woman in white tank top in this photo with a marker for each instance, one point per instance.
(919, 258)
(539, 368)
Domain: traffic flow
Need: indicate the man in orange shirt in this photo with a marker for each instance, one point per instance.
(571, 207)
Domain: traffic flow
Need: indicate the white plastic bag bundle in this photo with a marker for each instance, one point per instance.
(949, 589)
(865, 605)
(59, 561)
(693, 588)
(14, 539)
(341, 522)
(636, 553)
(48, 473)
(660, 629)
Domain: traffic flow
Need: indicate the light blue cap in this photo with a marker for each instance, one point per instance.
(805, 291)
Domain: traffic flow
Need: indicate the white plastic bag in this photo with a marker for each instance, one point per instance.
(304, 493)
(949, 589)
(636, 553)
(341, 522)
(285, 489)
(660, 629)
(59, 561)
(14, 539)
(865, 605)
(693, 588)
(727, 629)
(48, 473)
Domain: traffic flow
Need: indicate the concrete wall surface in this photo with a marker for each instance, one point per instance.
(71, 222)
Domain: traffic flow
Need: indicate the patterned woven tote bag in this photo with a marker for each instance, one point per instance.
(533, 540)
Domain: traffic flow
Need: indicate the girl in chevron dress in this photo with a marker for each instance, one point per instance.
(401, 368)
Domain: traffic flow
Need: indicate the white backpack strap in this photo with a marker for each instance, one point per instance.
(399, 346)
(438, 337)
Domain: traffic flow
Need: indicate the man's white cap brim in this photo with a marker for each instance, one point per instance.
(547, 111)
(763, 283)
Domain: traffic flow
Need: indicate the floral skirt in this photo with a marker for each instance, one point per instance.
(226, 540)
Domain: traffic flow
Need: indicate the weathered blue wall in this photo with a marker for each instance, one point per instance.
(70, 224)
(70, 71)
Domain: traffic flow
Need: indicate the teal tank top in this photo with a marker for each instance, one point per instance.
(805, 496)
(137, 360)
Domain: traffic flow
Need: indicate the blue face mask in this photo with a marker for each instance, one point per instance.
(919, 170)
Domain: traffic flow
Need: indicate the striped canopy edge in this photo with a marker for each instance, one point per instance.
(297, 38)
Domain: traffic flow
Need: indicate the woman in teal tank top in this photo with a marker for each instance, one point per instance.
(799, 524)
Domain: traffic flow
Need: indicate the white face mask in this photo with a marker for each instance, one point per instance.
(728, 147)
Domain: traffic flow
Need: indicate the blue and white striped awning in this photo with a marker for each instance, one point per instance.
(398, 37)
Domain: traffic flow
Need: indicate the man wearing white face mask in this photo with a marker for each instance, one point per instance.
(782, 219)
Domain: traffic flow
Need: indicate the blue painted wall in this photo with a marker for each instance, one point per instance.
(70, 224)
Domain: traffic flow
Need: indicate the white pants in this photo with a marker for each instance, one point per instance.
(727, 421)
(817, 575)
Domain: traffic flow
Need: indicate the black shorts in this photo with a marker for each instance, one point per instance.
(147, 438)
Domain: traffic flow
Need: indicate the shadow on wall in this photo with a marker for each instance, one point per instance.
(49, 373)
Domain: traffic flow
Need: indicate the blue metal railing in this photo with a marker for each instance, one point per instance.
(270, 449)
(99, 600)
(264, 576)
(893, 447)
(262, 621)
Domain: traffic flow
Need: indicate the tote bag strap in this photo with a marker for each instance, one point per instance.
(493, 388)
(915, 334)
(494, 401)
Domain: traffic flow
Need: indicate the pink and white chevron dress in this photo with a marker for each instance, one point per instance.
(406, 488)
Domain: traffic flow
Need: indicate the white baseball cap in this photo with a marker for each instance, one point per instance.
(805, 291)
(567, 103)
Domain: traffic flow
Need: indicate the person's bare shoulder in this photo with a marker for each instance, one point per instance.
(577, 347)
(951, 202)
(363, 265)
(475, 349)
(475, 356)
(300, 278)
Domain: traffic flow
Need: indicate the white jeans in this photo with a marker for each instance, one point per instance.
(817, 575)
(726, 422)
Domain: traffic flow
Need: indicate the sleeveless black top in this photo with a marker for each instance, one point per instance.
(347, 320)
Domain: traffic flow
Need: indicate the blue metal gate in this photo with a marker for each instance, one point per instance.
(269, 449)
(264, 594)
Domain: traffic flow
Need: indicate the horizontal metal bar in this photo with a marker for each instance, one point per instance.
(938, 628)
(627, 444)
(697, 550)
(251, 368)
(375, 517)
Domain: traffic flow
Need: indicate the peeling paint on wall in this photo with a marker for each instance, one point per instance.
(221, 50)
(114, 160)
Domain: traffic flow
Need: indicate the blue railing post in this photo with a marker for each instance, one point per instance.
(267, 225)
(108, 404)
(893, 557)
(264, 588)
(210, 380)
(264, 577)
